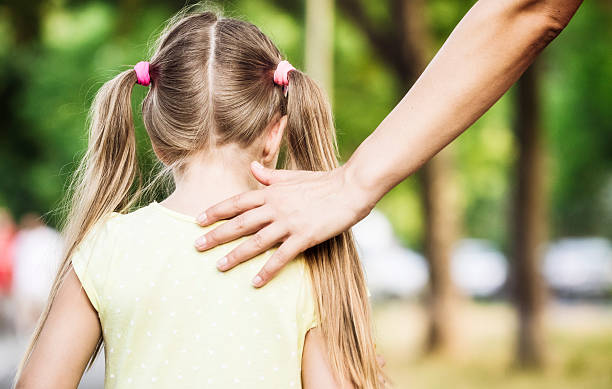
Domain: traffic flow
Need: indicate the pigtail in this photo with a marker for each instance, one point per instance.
(337, 277)
(104, 180)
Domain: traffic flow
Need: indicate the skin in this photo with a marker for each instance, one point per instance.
(485, 54)
(73, 323)
(316, 370)
(74, 326)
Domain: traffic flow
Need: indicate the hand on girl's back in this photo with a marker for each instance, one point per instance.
(296, 209)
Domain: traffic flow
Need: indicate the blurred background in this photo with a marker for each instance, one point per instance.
(490, 267)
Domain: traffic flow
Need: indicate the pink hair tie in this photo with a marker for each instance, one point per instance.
(142, 73)
(281, 74)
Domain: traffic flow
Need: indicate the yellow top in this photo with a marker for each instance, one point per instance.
(170, 319)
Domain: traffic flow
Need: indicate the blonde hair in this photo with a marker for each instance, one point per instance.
(212, 84)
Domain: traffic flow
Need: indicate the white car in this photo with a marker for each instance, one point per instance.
(579, 266)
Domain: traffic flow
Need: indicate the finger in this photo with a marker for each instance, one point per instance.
(255, 245)
(381, 361)
(269, 176)
(231, 207)
(285, 253)
(241, 225)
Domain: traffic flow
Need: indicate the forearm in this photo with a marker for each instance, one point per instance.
(486, 53)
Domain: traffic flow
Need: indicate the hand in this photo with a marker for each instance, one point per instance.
(298, 209)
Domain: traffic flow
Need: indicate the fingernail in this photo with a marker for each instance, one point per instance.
(201, 241)
(257, 165)
(257, 281)
(222, 263)
(202, 218)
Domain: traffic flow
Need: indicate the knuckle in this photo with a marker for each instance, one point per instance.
(284, 229)
(279, 257)
(240, 222)
(265, 273)
(236, 200)
(210, 213)
(266, 195)
(258, 241)
(293, 225)
(260, 197)
(232, 257)
(212, 237)
(308, 236)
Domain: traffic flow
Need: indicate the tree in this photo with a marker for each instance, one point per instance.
(20, 150)
(529, 222)
(319, 42)
(406, 47)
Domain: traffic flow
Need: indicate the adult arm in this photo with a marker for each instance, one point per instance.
(66, 342)
(485, 54)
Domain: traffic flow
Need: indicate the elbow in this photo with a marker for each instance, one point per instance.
(550, 27)
(536, 21)
(556, 17)
(551, 16)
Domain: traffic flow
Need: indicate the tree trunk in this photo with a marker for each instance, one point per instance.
(441, 221)
(26, 20)
(407, 48)
(438, 192)
(529, 226)
(319, 42)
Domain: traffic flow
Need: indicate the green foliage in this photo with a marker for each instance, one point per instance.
(579, 116)
(79, 50)
(484, 157)
(365, 90)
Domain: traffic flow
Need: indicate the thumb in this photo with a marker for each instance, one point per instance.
(266, 176)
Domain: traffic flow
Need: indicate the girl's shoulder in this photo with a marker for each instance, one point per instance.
(107, 240)
(115, 230)
(100, 232)
(116, 225)
(89, 257)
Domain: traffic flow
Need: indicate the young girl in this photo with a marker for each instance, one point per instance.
(220, 96)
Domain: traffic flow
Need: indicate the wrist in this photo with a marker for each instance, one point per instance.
(359, 190)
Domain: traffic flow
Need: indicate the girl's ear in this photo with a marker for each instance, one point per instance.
(272, 142)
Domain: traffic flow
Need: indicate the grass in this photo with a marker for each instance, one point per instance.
(579, 348)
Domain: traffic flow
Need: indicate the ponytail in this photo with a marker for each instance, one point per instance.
(103, 183)
(335, 269)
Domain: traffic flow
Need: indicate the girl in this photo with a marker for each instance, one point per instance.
(220, 96)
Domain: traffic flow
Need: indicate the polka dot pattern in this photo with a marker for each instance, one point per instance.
(171, 319)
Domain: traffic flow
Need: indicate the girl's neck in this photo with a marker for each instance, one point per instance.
(210, 178)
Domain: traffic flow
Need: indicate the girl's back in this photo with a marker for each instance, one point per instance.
(220, 96)
(171, 319)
